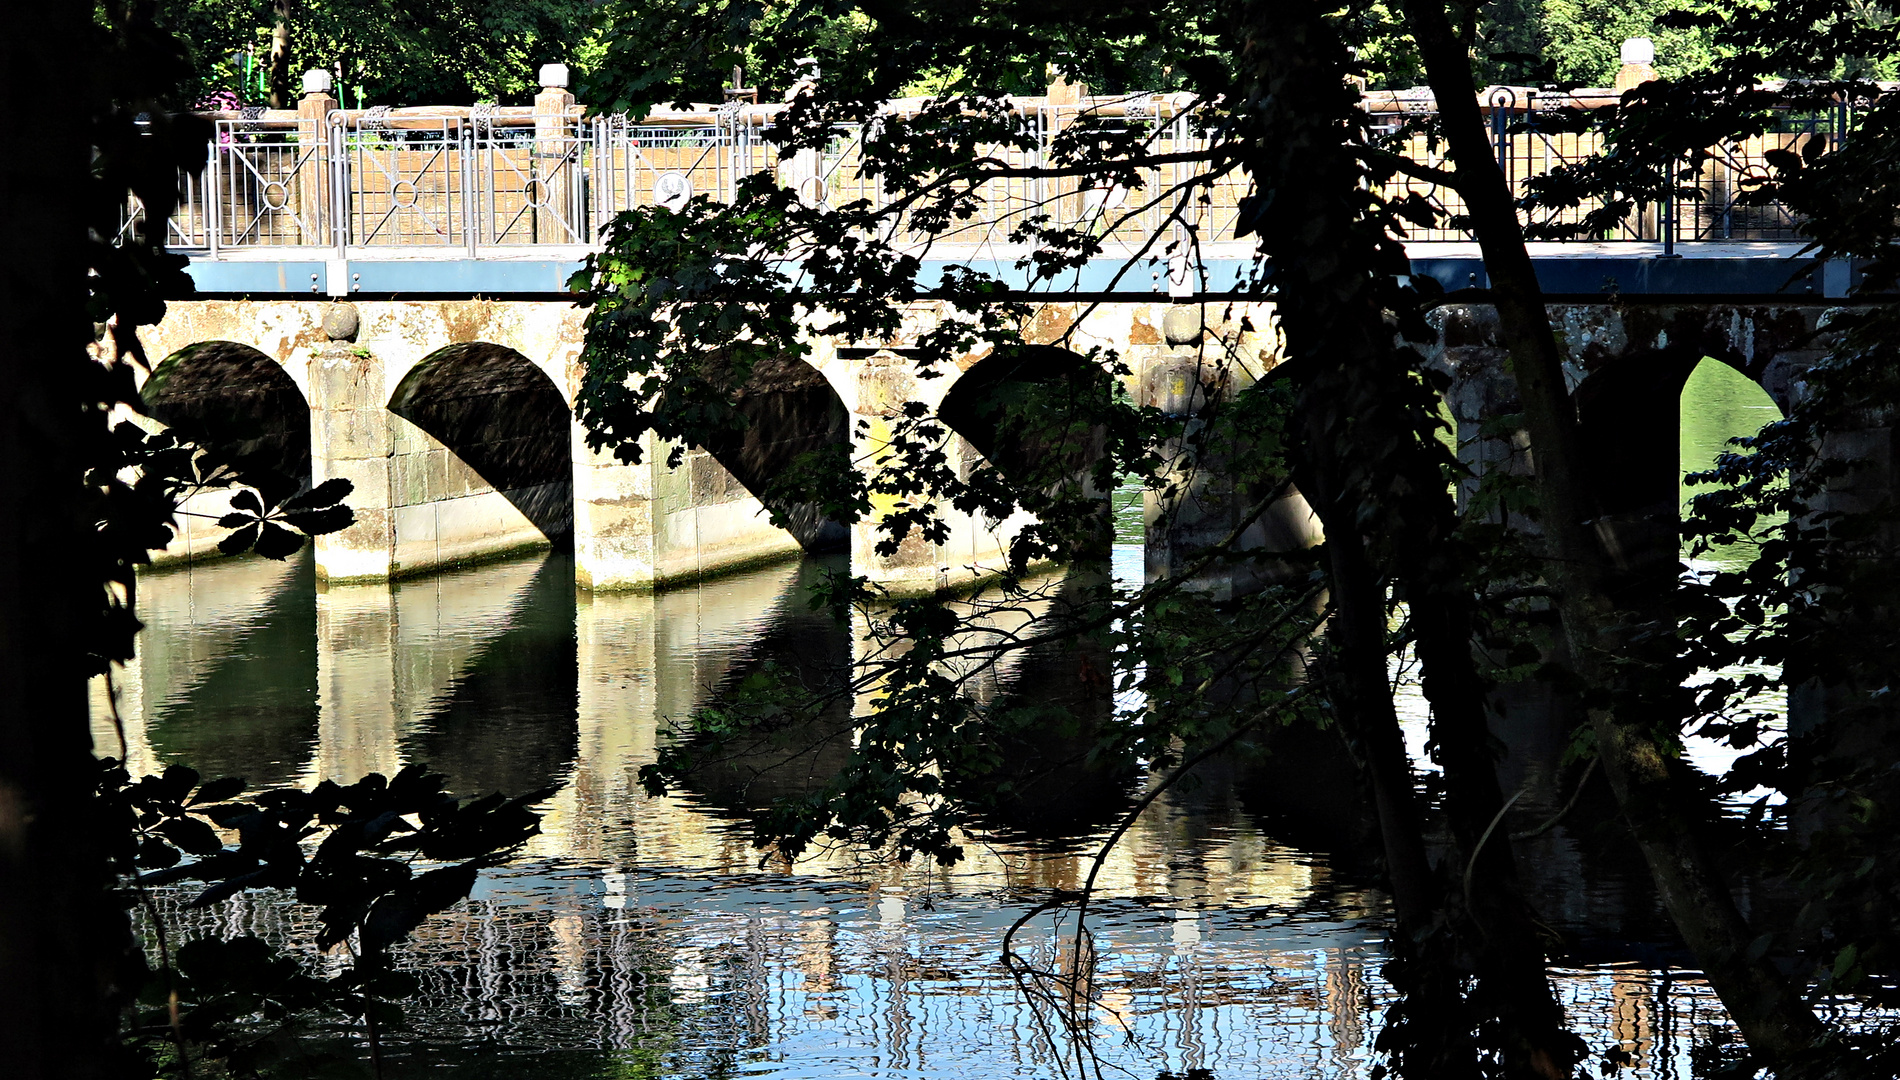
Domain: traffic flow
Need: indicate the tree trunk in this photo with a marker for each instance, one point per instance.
(282, 94)
(61, 937)
(1367, 462)
(1769, 1012)
(1320, 312)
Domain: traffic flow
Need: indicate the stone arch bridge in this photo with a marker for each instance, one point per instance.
(453, 419)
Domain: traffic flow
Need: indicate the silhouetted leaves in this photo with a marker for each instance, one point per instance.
(339, 848)
(260, 527)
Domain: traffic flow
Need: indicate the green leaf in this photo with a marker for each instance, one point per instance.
(326, 494)
(239, 542)
(1844, 962)
(175, 783)
(328, 519)
(155, 854)
(217, 790)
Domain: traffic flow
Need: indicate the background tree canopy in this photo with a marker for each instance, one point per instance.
(460, 51)
(391, 53)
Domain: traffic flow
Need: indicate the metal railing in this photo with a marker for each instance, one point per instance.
(1527, 145)
(486, 179)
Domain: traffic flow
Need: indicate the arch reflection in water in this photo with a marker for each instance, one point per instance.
(226, 672)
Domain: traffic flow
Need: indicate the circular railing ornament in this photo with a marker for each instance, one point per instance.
(672, 190)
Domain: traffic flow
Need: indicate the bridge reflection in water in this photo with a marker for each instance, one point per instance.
(640, 935)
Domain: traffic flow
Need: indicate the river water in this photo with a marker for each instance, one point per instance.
(640, 936)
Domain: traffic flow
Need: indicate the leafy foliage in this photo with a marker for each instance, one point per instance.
(347, 850)
(441, 51)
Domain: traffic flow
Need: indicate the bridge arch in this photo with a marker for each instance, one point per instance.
(234, 400)
(1037, 414)
(794, 420)
(479, 421)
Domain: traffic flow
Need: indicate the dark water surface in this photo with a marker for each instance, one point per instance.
(639, 936)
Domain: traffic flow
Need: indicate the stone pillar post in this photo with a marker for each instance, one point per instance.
(554, 187)
(804, 171)
(1639, 64)
(1639, 55)
(884, 382)
(647, 526)
(313, 200)
(351, 437)
(614, 517)
(1065, 100)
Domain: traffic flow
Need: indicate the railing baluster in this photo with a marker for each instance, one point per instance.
(214, 190)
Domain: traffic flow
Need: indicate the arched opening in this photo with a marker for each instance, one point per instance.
(1649, 420)
(1628, 413)
(241, 405)
(235, 645)
(1037, 414)
(795, 427)
(1717, 403)
(501, 418)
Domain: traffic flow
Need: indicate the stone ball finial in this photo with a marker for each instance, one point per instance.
(316, 81)
(554, 76)
(1638, 67)
(340, 321)
(1182, 324)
